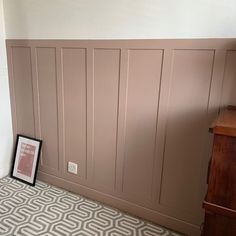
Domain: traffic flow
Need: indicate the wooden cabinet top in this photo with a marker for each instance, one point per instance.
(225, 124)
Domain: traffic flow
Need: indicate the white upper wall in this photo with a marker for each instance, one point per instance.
(115, 19)
(2, 39)
(5, 113)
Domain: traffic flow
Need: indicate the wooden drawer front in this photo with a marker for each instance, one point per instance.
(219, 225)
(222, 181)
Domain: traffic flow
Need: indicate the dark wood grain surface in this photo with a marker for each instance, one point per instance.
(220, 202)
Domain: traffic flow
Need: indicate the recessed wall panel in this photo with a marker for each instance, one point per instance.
(187, 129)
(47, 90)
(22, 76)
(229, 93)
(74, 97)
(106, 88)
(141, 120)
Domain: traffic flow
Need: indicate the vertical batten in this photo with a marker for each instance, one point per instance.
(60, 110)
(35, 92)
(123, 87)
(90, 113)
(36, 97)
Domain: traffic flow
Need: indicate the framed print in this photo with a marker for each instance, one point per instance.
(26, 159)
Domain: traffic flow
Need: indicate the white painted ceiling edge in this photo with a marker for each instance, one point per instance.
(5, 117)
(122, 19)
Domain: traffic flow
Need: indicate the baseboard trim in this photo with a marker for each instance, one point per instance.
(131, 208)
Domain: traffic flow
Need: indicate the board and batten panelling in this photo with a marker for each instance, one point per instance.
(133, 114)
(47, 100)
(74, 109)
(144, 75)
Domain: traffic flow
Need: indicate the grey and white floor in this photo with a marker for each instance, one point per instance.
(50, 211)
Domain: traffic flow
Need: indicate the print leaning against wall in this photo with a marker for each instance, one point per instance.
(26, 159)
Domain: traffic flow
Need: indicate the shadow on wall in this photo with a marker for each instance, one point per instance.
(186, 154)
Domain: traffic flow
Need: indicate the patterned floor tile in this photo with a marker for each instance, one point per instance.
(50, 211)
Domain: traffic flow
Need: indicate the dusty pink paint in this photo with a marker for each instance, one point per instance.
(133, 114)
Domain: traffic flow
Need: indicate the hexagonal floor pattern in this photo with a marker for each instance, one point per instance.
(50, 211)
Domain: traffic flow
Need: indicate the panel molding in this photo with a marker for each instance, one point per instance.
(122, 114)
(90, 113)
(60, 110)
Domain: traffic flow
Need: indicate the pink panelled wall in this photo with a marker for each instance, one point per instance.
(133, 114)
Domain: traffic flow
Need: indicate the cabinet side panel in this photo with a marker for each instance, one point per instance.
(222, 179)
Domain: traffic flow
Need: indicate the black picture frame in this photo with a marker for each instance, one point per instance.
(17, 156)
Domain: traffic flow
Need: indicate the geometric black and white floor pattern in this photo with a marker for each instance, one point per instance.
(49, 211)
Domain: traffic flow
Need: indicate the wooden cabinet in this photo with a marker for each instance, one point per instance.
(220, 202)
